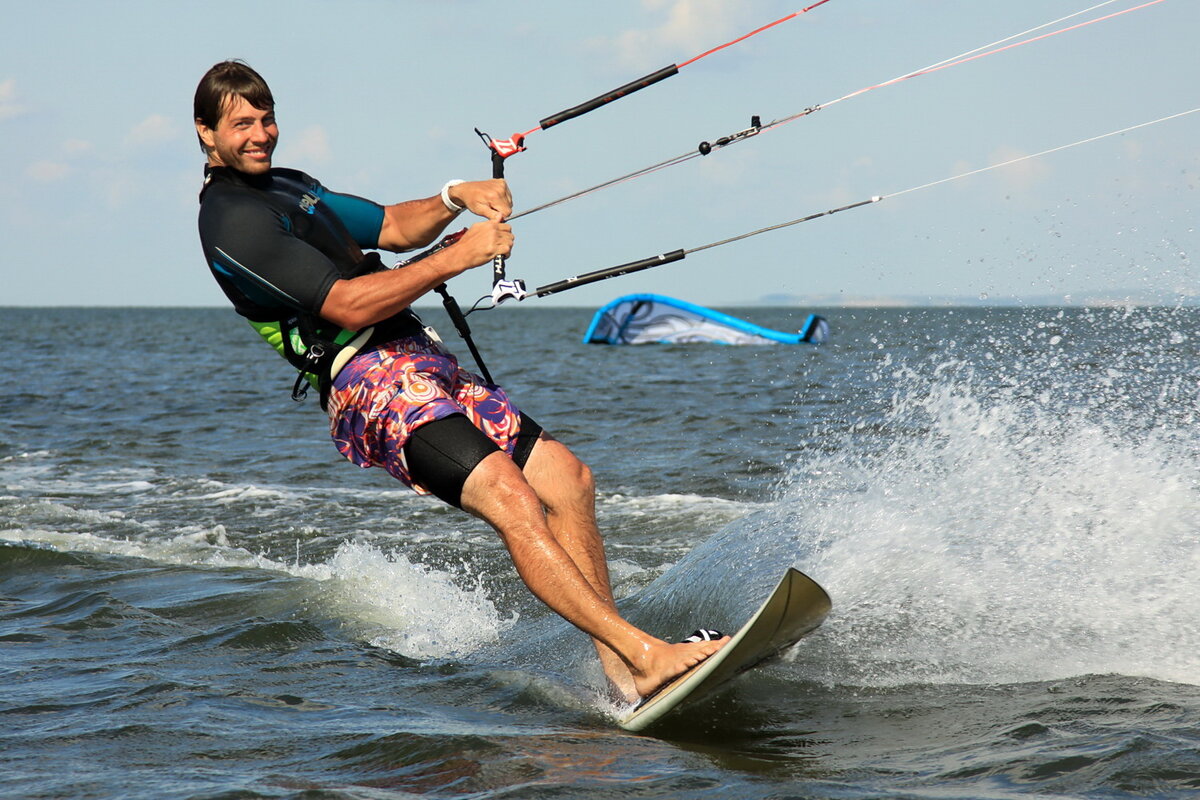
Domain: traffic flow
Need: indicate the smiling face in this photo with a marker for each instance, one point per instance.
(244, 137)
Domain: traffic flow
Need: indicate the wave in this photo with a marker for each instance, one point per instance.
(377, 579)
(1035, 526)
(1001, 511)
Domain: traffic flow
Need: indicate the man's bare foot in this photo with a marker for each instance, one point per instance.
(663, 662)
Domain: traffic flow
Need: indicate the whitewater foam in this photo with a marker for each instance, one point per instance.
(415, 610)
(1025, 535)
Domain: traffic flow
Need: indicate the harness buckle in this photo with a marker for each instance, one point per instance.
(300, 388)
(312, 358)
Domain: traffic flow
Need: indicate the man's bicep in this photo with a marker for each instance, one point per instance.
(363, 218)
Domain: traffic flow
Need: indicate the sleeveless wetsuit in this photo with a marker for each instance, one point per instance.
(276, 243)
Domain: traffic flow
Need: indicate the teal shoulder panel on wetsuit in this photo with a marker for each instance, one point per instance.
(363, 218)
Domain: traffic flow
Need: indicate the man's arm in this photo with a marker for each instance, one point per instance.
(417, 223)
(358, 302)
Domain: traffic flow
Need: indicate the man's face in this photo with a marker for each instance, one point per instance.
(244, 138)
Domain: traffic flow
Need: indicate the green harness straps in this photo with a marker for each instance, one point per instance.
(311, 349)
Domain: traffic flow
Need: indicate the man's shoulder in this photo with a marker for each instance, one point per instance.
(226, 189)
(296, 175)
(234, 210)
(225, 181)
(223, 199)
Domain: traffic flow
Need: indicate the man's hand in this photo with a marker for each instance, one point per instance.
(355, 303)
(417, 223)
(489, 199)
(482, 242)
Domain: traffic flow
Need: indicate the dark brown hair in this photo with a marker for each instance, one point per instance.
(224, 81)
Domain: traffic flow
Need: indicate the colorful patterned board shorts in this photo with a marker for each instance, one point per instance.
(382, 395)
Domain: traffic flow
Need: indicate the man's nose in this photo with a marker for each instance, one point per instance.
(259, 132)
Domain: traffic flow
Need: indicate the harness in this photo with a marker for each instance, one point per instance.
(317, 356)
(319, 350)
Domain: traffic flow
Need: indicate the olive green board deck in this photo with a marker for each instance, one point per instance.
(796, 607)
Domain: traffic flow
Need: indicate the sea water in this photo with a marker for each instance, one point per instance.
(200, 599)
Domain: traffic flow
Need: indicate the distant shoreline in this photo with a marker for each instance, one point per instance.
(813, 303)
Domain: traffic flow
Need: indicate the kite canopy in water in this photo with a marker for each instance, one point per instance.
(655, 319)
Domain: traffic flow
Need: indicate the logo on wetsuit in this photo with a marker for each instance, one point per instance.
(308, 203)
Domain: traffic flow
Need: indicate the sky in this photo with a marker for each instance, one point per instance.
(99, 165)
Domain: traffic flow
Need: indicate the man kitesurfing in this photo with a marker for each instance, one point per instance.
(288, 253)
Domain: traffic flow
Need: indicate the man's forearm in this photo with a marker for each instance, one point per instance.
(414, 223)
(358, 302)
(355, 303)
(418, 223)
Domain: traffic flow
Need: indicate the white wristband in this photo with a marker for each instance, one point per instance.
(451, 206)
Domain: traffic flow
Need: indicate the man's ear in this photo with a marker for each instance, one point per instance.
(206, 135)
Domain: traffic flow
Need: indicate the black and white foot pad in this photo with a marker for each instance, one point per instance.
(704, 635)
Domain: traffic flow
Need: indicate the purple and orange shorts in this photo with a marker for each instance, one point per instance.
(384, 394)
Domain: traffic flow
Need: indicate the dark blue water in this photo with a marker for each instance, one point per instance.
(199, 599)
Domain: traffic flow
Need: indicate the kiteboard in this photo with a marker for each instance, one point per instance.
(796, 607)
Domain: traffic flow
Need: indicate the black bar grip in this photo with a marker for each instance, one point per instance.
(615, 94)
(611, 272)
(499, 263)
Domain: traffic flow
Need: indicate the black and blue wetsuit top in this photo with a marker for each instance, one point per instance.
(277, 242)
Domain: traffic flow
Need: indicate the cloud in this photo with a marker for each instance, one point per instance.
(310, 145)
(55, 168)
(9, 107)
(154, 129)
(119, 188)
(76, 147)
(1014, 169)
(47, 171)
(1017, 170)
(690, 28)
(51, 171)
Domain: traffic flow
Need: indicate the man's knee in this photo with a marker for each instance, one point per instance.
(558, 475)
(580, 475)
(497, 491)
